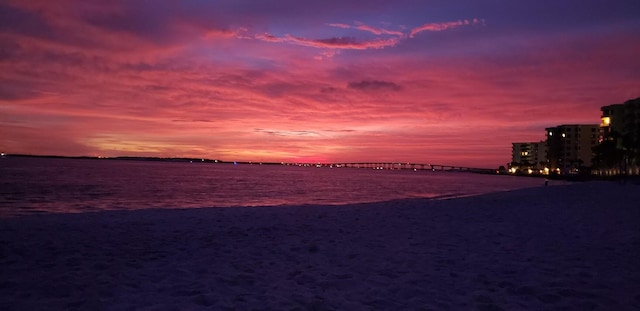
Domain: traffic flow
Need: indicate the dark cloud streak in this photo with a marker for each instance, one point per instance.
(23, 22)
(374, 85)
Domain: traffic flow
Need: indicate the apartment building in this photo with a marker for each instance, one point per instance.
(529, 155)
(620, 128)
(611, 121)
(570, 147)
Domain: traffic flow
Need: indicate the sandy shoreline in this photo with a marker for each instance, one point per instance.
(572, 247)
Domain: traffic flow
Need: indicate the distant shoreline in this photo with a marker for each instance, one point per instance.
(206, 160)
(131, 158)
(578, 178)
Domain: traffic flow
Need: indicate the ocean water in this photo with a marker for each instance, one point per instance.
(49, 185)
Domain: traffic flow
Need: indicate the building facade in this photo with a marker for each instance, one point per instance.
(570, 147)
(611, 121)
(619, 149)
(631, 134)
(527, 156)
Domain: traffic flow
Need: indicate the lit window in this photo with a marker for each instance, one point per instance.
(563, 135)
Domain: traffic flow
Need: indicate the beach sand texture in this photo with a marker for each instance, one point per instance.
(572, 247)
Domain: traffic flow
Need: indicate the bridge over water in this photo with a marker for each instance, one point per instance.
(398, 166)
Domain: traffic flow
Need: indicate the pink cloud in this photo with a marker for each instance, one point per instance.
(342, 43)
(379, 31)
(339, 25)
(219, 91)
(371, 29)
(353, 44)
(444, 26)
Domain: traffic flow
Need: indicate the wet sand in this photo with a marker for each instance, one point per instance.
(570, 247)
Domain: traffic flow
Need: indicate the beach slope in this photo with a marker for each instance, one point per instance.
(572, 247)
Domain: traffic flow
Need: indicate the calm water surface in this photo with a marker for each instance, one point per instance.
(34, 185)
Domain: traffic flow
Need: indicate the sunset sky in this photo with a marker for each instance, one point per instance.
(448, 82)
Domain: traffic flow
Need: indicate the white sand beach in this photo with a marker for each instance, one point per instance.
(571, 247)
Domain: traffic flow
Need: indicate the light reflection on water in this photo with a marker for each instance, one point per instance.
(29, 185)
